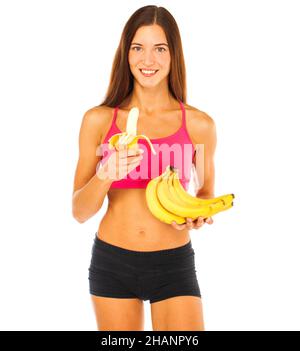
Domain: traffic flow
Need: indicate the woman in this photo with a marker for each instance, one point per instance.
(135, 256)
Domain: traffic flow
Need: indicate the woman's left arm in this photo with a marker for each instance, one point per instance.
(205, 137)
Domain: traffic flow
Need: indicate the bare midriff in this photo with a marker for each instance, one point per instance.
(128, 223)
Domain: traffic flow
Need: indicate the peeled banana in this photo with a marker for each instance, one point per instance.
(130, 137)
(168, 200)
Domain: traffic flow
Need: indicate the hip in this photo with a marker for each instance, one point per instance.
(109, 257)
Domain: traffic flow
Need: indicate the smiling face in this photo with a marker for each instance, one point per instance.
(149, 50)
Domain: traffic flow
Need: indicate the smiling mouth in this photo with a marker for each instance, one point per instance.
(149, 75)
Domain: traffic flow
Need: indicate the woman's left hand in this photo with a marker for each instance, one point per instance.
(192, 224)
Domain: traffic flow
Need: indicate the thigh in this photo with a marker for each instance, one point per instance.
(118, 313)
(178, 313)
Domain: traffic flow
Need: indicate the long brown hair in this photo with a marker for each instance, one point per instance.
(121, 78)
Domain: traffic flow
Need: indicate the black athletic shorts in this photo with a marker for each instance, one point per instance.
(146, 275)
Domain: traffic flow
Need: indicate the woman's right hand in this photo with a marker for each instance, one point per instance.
(120, 163)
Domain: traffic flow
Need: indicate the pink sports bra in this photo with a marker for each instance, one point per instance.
(176, 149)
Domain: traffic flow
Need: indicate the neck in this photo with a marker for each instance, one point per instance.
(151, 100)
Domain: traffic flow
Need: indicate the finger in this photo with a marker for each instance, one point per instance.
(189, 223)
(129, 160)
(133, 164)
(199, 222)
(134, 159)
(129, 164)
(130, 153)
(121, 154)
(178, 226)
(125, 153)
(135, 152)
(209, 220)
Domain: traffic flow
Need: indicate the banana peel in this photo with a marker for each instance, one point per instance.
(123, 139)
(130, 137)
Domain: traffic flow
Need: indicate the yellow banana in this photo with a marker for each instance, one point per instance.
(155, 206)
(228, 198)
(129, 137)
(193, 200)
(173, 204)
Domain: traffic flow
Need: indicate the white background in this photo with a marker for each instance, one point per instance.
(242, 60)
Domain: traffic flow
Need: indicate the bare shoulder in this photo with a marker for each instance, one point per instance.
(94, 122)
(97, 120)
(198, 119)
(97, 115)
(200, 125)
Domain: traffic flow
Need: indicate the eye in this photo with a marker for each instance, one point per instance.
(160, 47)
(136, 47)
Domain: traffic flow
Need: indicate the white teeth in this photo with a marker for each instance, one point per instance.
(148, 72)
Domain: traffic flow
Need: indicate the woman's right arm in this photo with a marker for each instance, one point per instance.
(91, 185)
(88, 200)
(89, 190)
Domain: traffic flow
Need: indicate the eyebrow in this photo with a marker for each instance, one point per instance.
(154, 44)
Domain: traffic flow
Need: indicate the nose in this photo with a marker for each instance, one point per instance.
(148, 58)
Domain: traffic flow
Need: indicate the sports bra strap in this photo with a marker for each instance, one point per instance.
(183, 114)
(115, 114)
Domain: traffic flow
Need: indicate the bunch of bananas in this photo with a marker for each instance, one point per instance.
(129, 137)
(168, 201)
